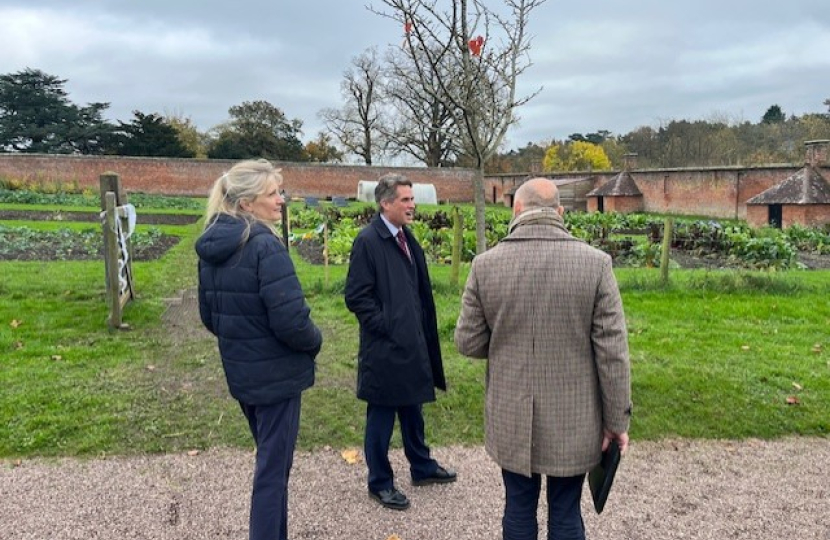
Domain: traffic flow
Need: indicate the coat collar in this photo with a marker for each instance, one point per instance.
(383, 229)
(538, 219)
(538, 224)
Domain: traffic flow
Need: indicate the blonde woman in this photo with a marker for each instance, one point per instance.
(251, 300)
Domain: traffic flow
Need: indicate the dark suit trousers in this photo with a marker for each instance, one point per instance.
(275, 429)
(380, 422)
(522, 500)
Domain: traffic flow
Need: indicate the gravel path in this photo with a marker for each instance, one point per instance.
(671, 489)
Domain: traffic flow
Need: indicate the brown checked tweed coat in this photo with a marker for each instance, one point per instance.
(545, 310)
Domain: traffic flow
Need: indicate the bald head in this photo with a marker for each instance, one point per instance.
(536, 193)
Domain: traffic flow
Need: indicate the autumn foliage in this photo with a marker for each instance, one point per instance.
(575, 156)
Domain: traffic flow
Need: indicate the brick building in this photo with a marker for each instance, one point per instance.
(620, 194)
(803, 198)
(717, 192)
(194, 177)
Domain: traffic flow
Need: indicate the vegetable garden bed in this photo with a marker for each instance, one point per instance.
(58, 215)
(26, 244)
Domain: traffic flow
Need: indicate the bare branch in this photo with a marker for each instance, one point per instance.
(475, 84)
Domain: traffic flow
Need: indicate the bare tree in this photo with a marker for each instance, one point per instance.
(357, 125)
(423, 126)
(485, 51)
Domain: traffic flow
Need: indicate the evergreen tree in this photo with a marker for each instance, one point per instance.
(150, 135)
(36, 115)
(774, 115)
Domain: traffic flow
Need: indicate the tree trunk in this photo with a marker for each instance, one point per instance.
(478, 199)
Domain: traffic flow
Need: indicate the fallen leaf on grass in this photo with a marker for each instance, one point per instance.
(792, 400)
(744, 347)
(350, 456)
(15, 323)
(18, 345)
(797, 386)
(57, 357)
(816, 348)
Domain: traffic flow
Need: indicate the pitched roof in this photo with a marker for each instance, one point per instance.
(622, 185)
(807, 186)
(561, 181)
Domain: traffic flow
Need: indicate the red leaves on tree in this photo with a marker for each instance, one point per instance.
(476, 45)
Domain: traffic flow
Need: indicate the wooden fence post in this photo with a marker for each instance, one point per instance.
(665, 254)
(286, 225)
(457, 244)
(110, 182)
(111, 261)
(326, 251)
(118, 252)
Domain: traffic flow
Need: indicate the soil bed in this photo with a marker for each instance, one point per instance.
(60, 251)
(59, 215)
(310, 250)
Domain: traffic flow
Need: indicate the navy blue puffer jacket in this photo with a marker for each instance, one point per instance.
(251, 300)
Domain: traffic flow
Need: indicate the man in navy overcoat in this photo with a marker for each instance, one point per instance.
(399, 362)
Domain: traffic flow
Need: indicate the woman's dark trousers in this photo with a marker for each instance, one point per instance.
(274, 428)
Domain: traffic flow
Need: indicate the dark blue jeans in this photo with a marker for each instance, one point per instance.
(275, 429)
(522, 501)
(380, 422)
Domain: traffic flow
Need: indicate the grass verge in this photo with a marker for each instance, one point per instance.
(714, 354)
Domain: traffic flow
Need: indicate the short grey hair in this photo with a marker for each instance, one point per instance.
(538, 193)
(387, 188)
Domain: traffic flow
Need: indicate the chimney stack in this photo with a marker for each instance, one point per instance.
(817, 152)
(629, 161)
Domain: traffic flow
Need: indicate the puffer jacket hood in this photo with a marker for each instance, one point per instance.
(251, 300)
(224, 238)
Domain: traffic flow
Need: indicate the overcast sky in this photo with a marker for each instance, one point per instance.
(605, 64)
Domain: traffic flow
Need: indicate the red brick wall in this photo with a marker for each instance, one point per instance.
(622, 205)
(810, 215)
(592, 204)
(719, 193)
(195, 177)
(757, 215)
(715, 192)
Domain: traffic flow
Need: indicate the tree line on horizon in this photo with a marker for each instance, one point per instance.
(37, 116)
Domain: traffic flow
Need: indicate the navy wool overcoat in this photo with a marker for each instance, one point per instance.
(399, 361)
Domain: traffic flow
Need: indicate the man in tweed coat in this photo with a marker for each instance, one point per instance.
(545, 310)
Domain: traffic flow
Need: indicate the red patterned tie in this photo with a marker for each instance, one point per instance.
(403, 246)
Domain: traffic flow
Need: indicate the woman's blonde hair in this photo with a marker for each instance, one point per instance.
(243, 182)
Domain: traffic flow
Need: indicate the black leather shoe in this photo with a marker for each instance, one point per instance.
(440, 476)
(391, 498)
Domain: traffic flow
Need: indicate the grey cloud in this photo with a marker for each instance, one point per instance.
(615, 66)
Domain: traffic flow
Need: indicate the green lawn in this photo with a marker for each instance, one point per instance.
(716, 355)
